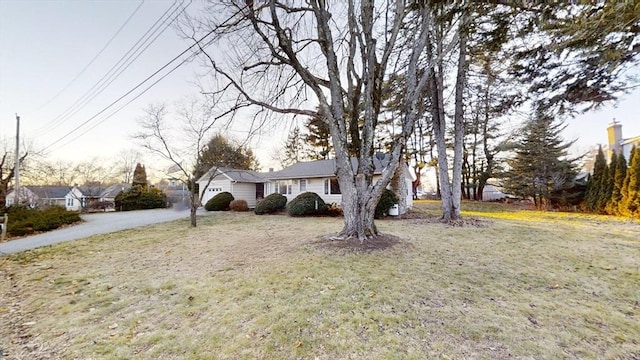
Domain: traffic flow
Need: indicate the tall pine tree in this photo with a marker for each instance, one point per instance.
(540, 168)
(140, 176)
(607, 185)
(596, 182)
(629, 204)
(619, 174)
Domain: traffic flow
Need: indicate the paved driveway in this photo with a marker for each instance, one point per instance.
(94, 224)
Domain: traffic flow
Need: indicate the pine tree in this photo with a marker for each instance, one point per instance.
(629, 204)
(540, 168)
(318, 138)
(606, 188)
(222, 152)
(140, 176)
(293, 148)
(595, 182)
(619, 175)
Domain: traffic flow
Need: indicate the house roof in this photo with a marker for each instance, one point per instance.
(300, 170)
(92, 190)
(245, 176)
(113, 190)
(50, 192)
(320, 168)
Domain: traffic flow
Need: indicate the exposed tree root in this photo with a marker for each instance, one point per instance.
(338, 242)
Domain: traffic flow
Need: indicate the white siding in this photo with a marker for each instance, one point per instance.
(218, 185)
(245, 191)
(316, 185)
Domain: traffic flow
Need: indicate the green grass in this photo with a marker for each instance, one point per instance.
(525, 285)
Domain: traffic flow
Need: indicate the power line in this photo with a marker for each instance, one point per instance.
(132, 90)
(118, 68)
(94, 58)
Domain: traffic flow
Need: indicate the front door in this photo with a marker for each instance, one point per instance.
(259, 191)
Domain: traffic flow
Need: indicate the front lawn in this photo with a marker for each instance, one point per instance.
(515, 284)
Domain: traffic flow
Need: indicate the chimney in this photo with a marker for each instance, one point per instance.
(614, 134)
(270, 169)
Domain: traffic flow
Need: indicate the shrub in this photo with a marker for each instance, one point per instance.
(335, 210)
(25, 221)
(271, 204)
(140, 198)
(220, 202)
(387, 200)
(307, 203)
(239, 205)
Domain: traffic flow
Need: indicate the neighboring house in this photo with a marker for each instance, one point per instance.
(619, 144)
(176, 191)
(111, 191)
(314, 176)
(615, 143)
(69, 197)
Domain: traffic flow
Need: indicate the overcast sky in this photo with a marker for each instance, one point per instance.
(44, 45)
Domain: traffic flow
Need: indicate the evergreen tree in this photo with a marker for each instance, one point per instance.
(619, 175)
(540, 168)
(596, 182)
(221, 152)
(293, 148)
(629, 204)
(318, 138)
(606, 188)
(140, 176)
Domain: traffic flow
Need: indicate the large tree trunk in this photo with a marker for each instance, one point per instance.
(459, 120)
(399, 187)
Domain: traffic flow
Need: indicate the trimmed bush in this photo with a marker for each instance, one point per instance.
(25, 221)
(271, 204)
(239, 205)
(387, 200)
(220, 202)
(140, 198)
(308, 203)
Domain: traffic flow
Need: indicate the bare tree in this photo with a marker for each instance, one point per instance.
(290, 58)
(181, 146)
(124, 164)
(7, 173)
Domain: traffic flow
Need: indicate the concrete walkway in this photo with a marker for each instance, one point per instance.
(93, 224)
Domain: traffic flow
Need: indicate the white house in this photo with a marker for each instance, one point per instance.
(313, 176)
(619, 144)
(320, 177)
(242, 184)
(69, 197)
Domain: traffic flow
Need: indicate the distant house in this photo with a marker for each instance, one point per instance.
(619, 144)
(315, 176)
(110, 192)
(176, 191)
(69, 197)
(615, 143)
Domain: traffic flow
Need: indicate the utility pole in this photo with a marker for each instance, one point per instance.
(16, 198)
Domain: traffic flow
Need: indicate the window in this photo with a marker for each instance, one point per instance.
(331, 186)
(69, 202)
(335, 187)
(303, 185)
(283, 187)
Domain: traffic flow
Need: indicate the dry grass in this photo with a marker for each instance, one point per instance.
(240, 286)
